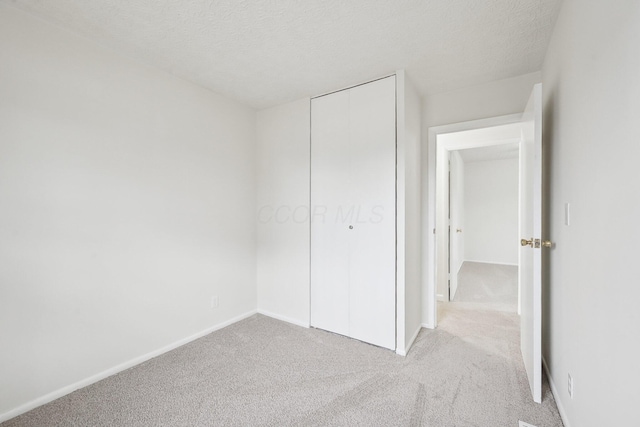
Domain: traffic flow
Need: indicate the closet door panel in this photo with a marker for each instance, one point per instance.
(372, 272)
(330, 191)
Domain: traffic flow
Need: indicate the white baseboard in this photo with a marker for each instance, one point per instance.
(440, 297)
(556, 395)
(114, 370)
(283, 318)
(493, 262)
(427, 326)
(411, 341)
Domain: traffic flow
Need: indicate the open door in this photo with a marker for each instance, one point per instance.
(456, 215)
(531, 242)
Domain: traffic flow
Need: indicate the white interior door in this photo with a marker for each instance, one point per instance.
(530, 249)
(456, 215)
(353, 251)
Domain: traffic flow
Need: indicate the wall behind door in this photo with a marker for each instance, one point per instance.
(491, 211)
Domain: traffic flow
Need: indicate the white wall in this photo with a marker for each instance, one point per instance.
(591, 106)
(283, 211)
(126, 201)
(408, 212)
(493, 99)
(491, 202)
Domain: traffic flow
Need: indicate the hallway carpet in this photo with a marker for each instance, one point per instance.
(264, 372)
(488, 286)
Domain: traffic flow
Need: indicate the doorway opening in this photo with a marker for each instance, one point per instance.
(483, 227)
(489, 137)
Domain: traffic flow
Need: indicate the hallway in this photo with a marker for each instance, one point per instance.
(488, 286)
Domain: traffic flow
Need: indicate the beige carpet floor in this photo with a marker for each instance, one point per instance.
(264, 372)
(488, 286)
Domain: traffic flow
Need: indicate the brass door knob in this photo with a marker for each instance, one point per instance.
(547, 243)
(458, 230)
(525, 242)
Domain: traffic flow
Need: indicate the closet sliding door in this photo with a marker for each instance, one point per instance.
(353, 214)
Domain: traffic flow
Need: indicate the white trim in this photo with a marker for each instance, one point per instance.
(440, 297)
(493, 262)
(118, 368)
(400, 219)
(283, 318)
(428, 326)
(408, 347)
(556, 395)
(413, 338)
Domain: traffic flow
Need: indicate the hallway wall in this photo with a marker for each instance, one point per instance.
(491, 211)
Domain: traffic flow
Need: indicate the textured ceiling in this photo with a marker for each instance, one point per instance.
(267, 52)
